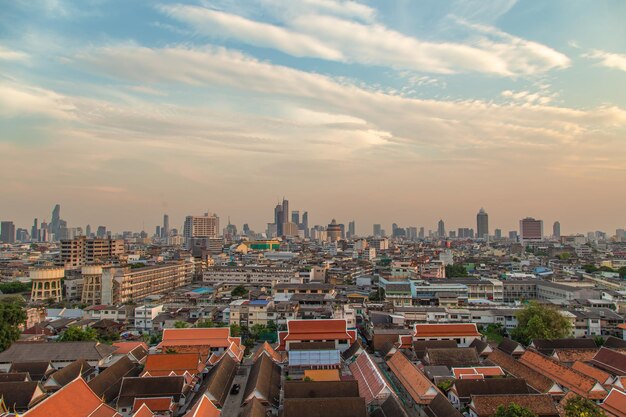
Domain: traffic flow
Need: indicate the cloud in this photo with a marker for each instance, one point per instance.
(11, 55)
(225, 25)
(19, 100)
(608, 59)
(334, 38)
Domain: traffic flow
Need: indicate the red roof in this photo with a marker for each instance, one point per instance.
(372, 384)
(323, 329)
(156, 404)
(143, 411)
(449, 330)
(75, 399)
(217, 337)
(203, 408)
(615, 403)
(412, 379)
(124, 348)
(179, 363)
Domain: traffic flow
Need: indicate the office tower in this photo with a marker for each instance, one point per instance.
(271, 230)
(530, 229)
(246, 229)
(351, 229)
(278, 219)
(556, 230)
(394, 227)
(21, 235)
(411, 233)
(441, 229)
(56, 220)
(305, 220)
(157, 232)
(34, 231)
(620, 234)
(7, 232)
(88, 230)
(498, 233)
(377, 230)
(295, 217)
(452, 234)
(206, 227)
(165, 230)
(422, 234)
(333, 231)
(482, 224)
(43, 234)
(285, 211)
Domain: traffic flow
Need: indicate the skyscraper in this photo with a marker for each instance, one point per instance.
(295, 217)
(422, 233)
(556, 230)
(498, 234)
(7, 232)
(305, 223)
(482, 224)
(88, 230)
(441, 229)
(351, 229)
(377, 230)
(55, 223)
(530, 229)
(278, 219)
(34, 231)
(165, 230)
(333, 231)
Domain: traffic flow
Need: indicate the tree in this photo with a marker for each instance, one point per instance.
(582, 407)
(78, 334)
(205, 323)
(377, 295)
(12, 315)
(536, 321)
(14, 287)
(622, 272)
(239, 291)
(513, 410)
(180, 324)
(235, 330)
(445, 385)
(456, 270)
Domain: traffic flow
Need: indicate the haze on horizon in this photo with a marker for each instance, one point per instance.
(374, 111)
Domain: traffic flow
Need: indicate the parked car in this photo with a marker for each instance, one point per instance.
(235, 389)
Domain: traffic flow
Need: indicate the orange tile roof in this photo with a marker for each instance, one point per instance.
(143, 411)
(210, 336)
(418, 386)
(478, 370)
(203, 408)
(569, 378)
(75, 399)
(595, 373)
(124, 348)
(615, 403)
(177, 362)
(534, 379)
(269, 351)
(321, 329)
(322, 374)
(155, 404)
(446, 330)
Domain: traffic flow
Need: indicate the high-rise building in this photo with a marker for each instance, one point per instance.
(530, 229)
(101, 232)
(351, 229)
(165, 230)
(82, 251)
(7, 232)
(513, 235)
(21, 235)
(206, 226)
(441, 229)
(411, 233)
(498, 234)
(88, 230)
(279, 219)
(482, 224)
(333, 231)
(377, 230)
(157, 231)
(422, 233)
(620, 234)
(55, 222)
(295, 217)
(556, 230)
(34, 231)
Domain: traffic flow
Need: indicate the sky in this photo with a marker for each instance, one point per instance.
(384, 111)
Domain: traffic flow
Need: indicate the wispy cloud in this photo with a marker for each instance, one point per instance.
(336, 38)
(608, 59)
(11, 55)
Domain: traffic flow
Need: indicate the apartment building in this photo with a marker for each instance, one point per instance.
(82, 250)
(249, 275)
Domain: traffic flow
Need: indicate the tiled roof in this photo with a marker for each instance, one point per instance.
(534, 379)
(419, 346)
(173, 362)
(611, 361)
(221, 377)
(211, 336)
(573, 380)
(69, 373)
(326, 389)
(391, 407)
(540, 404)
(151, 387)
(325, 407)
(143, 411)
(547, 347)
(446, 330)
(485, 371)
(615, 403)
(55, 351)
(509, 346)
(464, 388)
(124, 348)
(203, 408)
(452, 356)
(417, 385)
(270, 351)
(107, 383)
(157, 404)
(593, 372)
(75, 399)
(573, 355)
(20, 395)
(263, 381)
(322, 374)
(372, 384)
(441, 407)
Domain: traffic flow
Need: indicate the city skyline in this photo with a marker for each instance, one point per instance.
(124, 113)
